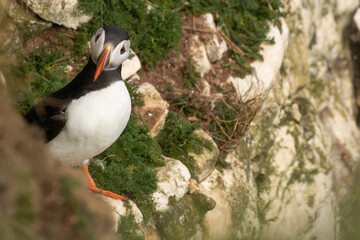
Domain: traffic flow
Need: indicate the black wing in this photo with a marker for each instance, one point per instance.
(49, 114)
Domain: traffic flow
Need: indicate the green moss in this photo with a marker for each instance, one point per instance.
(311, 201)
(128, 228)
(181, 220)
(349, 209)
(265, 148)
(177, 140)
(302, 129)
(262, 155)
(316, 87)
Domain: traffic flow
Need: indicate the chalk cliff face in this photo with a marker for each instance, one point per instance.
(294, 166)
(289, 174)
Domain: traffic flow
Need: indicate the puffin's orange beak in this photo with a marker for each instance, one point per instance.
(101, 64)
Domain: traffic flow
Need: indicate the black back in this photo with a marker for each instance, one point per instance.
(49, 113)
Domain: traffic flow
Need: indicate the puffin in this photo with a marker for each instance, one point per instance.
(86, 116)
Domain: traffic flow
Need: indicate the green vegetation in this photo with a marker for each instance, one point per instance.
(154, 28)
(230, 120)
(177, 140)
(129, 166)
(44, 71)
(188, 104)
(191, 75)
(245, 23)
(129, 229)
(129, 163)
(349, 214)
(303, 158)
(181, 220)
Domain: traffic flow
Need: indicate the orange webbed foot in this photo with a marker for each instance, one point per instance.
(97, 190)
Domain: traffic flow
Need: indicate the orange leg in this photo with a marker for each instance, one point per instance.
(97, 190)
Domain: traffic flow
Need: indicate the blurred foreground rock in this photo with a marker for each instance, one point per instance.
(60, 12)
(39, 199)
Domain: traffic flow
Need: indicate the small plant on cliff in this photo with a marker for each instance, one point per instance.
(191, 76)
(230, 120)
(177, 140)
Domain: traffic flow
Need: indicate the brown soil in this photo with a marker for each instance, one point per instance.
(171, 71)
(173, 67)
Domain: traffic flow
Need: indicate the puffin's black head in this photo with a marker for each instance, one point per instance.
(110, 47)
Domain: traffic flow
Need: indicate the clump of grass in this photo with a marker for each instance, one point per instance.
(230, 121)
(177, 140)
(191, 76)
(154, 27)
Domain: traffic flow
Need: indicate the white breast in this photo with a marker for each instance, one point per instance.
(94, 122)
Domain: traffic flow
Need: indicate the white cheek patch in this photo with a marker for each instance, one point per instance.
(117, 58)
(97, 46)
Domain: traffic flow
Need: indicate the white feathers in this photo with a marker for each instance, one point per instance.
(94, 122)
(118, 56)
(97, 44)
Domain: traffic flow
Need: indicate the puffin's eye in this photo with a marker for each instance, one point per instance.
(122, 50)
(97, 37)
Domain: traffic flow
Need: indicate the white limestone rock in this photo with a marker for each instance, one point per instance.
(215, 45)
(133, 78)
(130, 66)
(62, 12)
(119, 209)
(2, 80)
(15, 22)
(345, 7)
(155, 109)
(198, 55)
(26, 21)
(356, 18)
(235, 194)
(265, 72)
(204, 163)
(246, 88)
(173, 180)
(205, 88)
